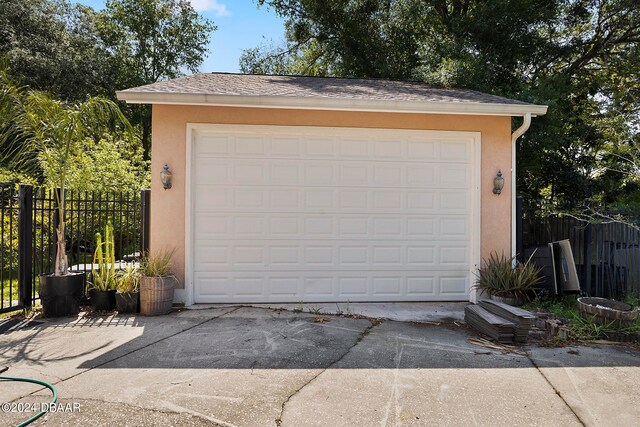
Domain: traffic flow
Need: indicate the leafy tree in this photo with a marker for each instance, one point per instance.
(74, 52)
(55, 47)
(103, 165)
(42, 127)
(577, 56)
(151, 40)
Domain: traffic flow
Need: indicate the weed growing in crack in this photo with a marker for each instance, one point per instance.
(315, 310)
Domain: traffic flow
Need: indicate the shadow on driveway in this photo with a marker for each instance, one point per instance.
(250, 338)
(253, 338)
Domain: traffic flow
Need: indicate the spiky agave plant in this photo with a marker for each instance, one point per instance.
(504, 276)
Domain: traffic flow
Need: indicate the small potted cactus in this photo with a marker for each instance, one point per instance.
(102, 286)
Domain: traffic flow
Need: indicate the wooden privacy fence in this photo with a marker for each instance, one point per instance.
(29, 217)
(607, 255)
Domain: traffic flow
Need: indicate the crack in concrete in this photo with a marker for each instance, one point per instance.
(197, 414)
(131, 352)
(361, 336)
(556, 391)
(394, 397)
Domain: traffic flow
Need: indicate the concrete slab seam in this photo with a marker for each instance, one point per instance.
(361, 336)
(557, 392)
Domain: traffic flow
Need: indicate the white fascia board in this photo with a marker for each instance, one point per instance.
(468, 108)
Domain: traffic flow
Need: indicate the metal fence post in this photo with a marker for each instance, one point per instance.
(587, 259)
(145, 217)
(25, 245)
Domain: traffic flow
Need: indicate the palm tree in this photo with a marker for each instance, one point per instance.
(41, 124)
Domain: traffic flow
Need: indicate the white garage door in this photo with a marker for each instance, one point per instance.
(290, 214)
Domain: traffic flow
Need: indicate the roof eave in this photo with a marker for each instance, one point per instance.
(317, 103)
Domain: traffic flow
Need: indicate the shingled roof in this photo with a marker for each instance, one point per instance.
(322, 93)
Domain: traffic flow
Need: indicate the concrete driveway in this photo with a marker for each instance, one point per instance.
(244, 366)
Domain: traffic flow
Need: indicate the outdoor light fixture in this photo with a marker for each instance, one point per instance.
(498, 183)
(166, 176)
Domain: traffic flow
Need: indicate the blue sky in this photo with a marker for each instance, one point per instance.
(241, 25)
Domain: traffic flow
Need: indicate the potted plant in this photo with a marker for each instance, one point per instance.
(128, 295)
(53, 127)
(508, 280)
(102, 286)
(157, 283)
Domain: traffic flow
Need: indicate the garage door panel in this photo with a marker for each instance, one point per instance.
(212, 225)
(284, 173)
(306, 145)
(389, 149)
(321, 286)
(209, 145)
(315, 147)
(334, 227)
(454, 177)
(455, 151)
(454, 228)
(454, 285)
(249, 145)
(292, 214)
(330, 173)
(285, 147)
(455, 202)
(318, 200)
(422, 150)
(212, 198)
(336, 255)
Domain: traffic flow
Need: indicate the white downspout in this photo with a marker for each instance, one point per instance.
(514, 137)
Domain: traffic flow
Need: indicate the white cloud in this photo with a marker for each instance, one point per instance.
(220, 9)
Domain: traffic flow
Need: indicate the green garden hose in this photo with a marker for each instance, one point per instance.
(39, 382)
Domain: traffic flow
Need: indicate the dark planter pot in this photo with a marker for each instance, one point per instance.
(102, 300)
(60, 295)
(127, 302)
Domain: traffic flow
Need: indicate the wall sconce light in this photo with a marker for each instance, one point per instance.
(166, 176)
(498, 183)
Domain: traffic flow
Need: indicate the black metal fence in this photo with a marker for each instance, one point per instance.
(9, 204)
(29, 220)
(607, 255)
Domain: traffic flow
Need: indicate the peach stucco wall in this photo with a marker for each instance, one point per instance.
(169, 146)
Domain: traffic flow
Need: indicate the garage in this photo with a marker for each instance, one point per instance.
(316, 189)
(326, 214)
